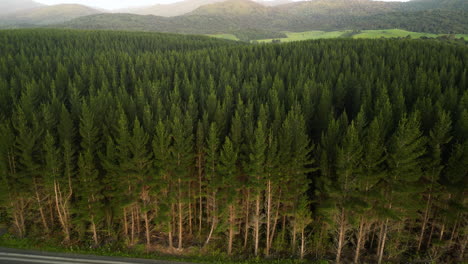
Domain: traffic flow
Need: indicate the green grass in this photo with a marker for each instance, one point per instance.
(392, 33)
(225, 36)
(372, 34)
(139, 252)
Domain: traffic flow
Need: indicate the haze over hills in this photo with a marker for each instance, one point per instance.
(169, 10)
(186, 6)
(12, 6)
(46, 15)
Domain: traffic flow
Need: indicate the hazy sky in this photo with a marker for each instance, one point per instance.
(116, 4)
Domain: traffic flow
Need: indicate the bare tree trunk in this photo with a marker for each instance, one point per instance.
(63, 221)
(95, 235)
(133, 225)
(302, 243)
(147, 229)
(429, 239)
(267, 249)
(18, 216)
(200, 213)
(379, 237)
(341, 236)
(382, 244)
(452, 236)
(294, 231)
(442, 230)
(247, 222)
(180, 217)
(125, 222)
(214, 220)
(138, 221)
(359, 240)
(169, 233)
(424, 223)
(257, 224)
(463, 248)
(276, 218)
(190, 208)
(231, 228)
(41, 209)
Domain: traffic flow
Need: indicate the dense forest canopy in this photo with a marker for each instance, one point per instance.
(354, 150)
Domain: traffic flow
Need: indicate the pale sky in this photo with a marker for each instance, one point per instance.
(117, 4)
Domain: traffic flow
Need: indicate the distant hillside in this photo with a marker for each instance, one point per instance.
(12, 6)
(46, 15)
(233, 8)
(274, 2)
(186, 6)
(170, 10)
(252, 20)
(418, 5)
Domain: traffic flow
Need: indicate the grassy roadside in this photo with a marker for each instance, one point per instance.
(9, 241)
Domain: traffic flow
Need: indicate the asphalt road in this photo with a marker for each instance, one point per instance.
(18, 256)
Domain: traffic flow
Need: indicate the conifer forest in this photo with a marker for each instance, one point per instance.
(355, 151)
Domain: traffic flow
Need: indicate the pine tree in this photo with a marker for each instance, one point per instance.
(257, 158)
(212, 177)
(161, 147)
(406, 149)
(230, 187)
(89, 198)
(438, 137)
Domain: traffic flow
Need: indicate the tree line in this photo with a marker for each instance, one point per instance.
(354, 150)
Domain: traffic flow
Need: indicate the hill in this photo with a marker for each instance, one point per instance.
(12, 6)
(186, 6)
(233, 8)
(170, 10)
(243, 15)
(46, 15)
(249, 20)
(457, 5)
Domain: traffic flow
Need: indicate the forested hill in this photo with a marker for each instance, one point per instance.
(351, 150)
(243, 17)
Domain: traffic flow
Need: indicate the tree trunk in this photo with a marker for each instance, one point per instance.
(275, 222)
(341, 236)
(379, 237)
(302, 243)
(463, 248)
(94, 229)
(180, 217)
(133, 226)
(247, 222)
(424, 223)
(200, 213)
(61, 214)
(294, 231)
(190, 208)
(452, 236)
(147, 229)
(257, 224)
(18, 216)
(267, 249)
(429, 239)
(359, 240)
(231, 228)
(41, 209)
(382, 244)
(213, 221)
